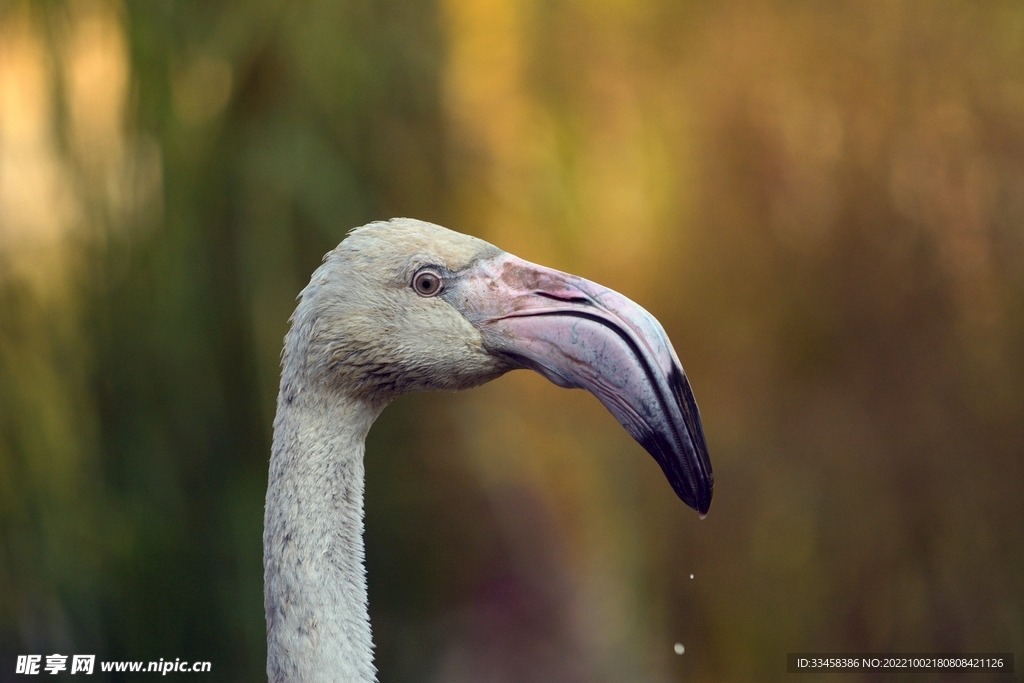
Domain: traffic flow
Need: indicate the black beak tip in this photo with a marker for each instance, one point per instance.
(696, 493)
(697, 483)
(688, 471)
(704, 499)
(705, 486)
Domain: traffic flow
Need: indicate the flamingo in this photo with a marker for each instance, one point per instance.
(403, 306)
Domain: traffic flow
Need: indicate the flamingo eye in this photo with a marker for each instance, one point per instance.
(427, 283)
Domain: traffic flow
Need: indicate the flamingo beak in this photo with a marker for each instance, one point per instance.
(581, 335)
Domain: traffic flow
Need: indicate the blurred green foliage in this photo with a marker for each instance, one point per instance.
(822, 202)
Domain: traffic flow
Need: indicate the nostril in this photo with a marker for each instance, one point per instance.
(564, 298)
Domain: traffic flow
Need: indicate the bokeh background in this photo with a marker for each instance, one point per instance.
(822, 201)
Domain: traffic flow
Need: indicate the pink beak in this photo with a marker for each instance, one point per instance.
(581, 335)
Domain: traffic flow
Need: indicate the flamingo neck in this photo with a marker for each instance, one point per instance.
(318, 626)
